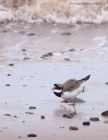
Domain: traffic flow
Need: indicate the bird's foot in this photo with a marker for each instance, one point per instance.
(64, 101)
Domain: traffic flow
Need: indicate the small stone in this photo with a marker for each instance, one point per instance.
(8, 74)
(105, 113)
(24, 85)
(31, 34)
(86, 123)
(66, 33)
(31, 113)
(42, 117)
(67, 59)
(71, 50)
(81, 49)
(47, 55)
(94, 119)
(26, 58)
(68, 115)
(106, 121)
(61, 127)
(106, 83)
(73, 128)
(7, 85)
(19, 137)
(8, 115)
(31, 135)
(23, 50)
(15, 116)
(32, 107)
(11, 64)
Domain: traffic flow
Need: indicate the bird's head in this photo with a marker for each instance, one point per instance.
(58, 89)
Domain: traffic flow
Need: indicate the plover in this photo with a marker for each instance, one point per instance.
(70, 89)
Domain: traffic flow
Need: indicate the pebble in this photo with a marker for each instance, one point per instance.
(8, 74)
(105, 113)
(68, 115)
(86, 123)
(73, 128)
(94, 119)
(31, 135)
(24, 50)
(32, 107)
(31, 34)
(66, 59)
(61, 127)
(42, 117)
(71, 50)
(7, 85)
(19, 137)
(106, 83)
(8, 115)
(26, 58)
(11, 64)
(105, 121)
(66, 33)
(31, 113)
(47, 55)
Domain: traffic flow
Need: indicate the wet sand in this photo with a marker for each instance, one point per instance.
(76, 51)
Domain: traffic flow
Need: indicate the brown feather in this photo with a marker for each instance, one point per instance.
(73, 84)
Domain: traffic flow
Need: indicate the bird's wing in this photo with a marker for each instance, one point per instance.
(71, 85)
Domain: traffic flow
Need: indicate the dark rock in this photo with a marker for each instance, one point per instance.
(42, 117)
(61, 127)
(86, 123)
(7, 85)
(15, 116)
(31, 113)
(67, 59)
(23, 50)
(8, 115)
(81, 49)
(105, 121)
(69, 115)
(71, 50)
(31, 34)
(106, 83)
(105, 113)
(32, 107)
(11, 64)
(8, 74)
(73, 128)
(19, 137)
(31, 135)
(94, 119)
(24, 85)
(46, 55)
(26, 58)
(66, 33)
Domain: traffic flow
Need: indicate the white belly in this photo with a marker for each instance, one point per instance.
(71, 95)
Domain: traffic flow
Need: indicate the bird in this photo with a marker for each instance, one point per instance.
(70, 89)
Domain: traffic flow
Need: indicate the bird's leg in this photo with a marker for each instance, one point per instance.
(74, 103)
(63, 105)
(83, 90)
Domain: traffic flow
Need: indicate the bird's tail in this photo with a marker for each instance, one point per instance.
(85, 79)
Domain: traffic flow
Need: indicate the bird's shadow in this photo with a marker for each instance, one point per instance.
(65, 109)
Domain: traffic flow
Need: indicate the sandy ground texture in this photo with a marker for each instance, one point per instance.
(34, 57)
